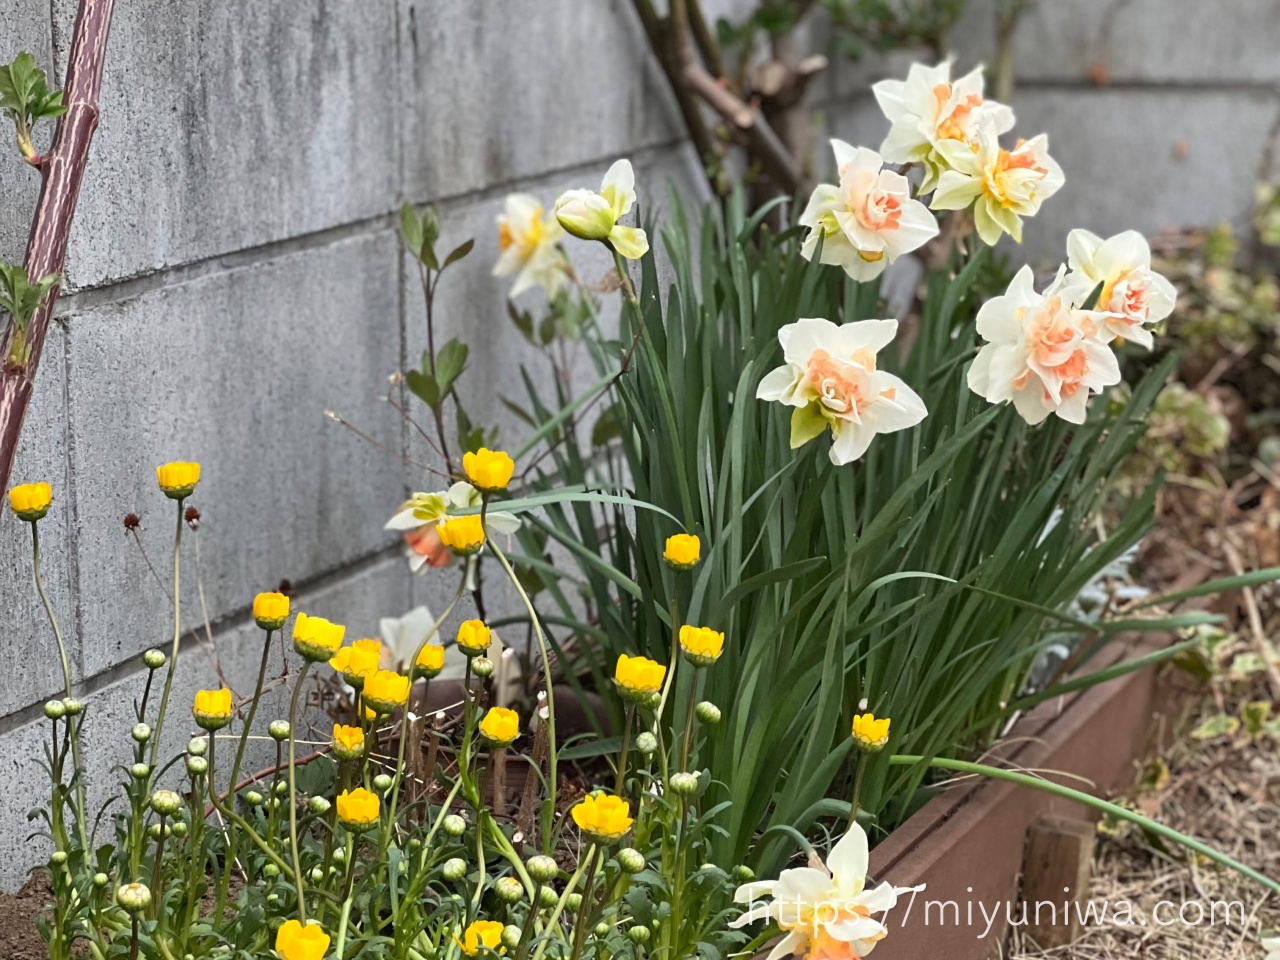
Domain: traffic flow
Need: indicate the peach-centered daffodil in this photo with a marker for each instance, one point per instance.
(315, 638)
(358, 809)
(385, 690)
(866, 221)
(358, 662)
(830, 378)
(529, 241)
(500, 726)
(30, 501)
(212, 708)
(178, 479)
(1133, 295)
(488, 470)
(602, 818)
(869, 734)
(481, 933)
(594, 216)
(1042, 352)
(419, 517)
(348, 742)
(638, 678)
(298, 941)
(270, 610)
(683, 551)
(702, 646)
(825, 910)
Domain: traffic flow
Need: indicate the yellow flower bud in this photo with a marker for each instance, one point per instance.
(481, 933)
(178, 479)
(30, 501)
(358, 808)
(604, 818)
(270, 610)
(500, 726)
(463, 535)
(474, 637)
(348, 742)
(430, 661)
(358, 662)
(315, 638)
(212, 708)
(488, 470)
(869, 734)
(683, 551)
(296, 941)
(702, 646)
(638, 677)
(385, 690)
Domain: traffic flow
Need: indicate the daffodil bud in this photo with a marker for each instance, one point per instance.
(630, 860)
(197, 746)
(100, 880)
(141, 732)
(482, 667)
(638, 934)
(454, 869)
(573, 901)
(166, 803)
(683, 784)
(253, 798)
(584, 214)
(140, 771)
(197, 766)
(543, 869)
(154, 659)
(509, 890)
(134, 897)
(647, 744)
(707, 712)
(382, 783)
(454, 825)
(279, 730)
(511, 936)
(548, 898)
(54, 710)
(72, 706)
(58, 858)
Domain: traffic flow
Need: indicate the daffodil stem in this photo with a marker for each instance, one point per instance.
(177, 635)
(1079, 796)
(293, 792)
(72, 727)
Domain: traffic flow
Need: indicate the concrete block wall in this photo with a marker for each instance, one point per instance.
(234, 271)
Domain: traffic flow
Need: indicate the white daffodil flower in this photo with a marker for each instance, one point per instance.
(1272, 946)
(869, 219)
(831, 379)
(418, 516)
(825, 910)
(529, 239)
(1002, 186)
(594, 216)
(1133, 295)
(928, 108)
(1042, 352)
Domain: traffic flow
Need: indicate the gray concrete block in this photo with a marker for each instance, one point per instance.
(42, 456)
(26, 27)
(232, 125)
(234, 370)
(499, 91)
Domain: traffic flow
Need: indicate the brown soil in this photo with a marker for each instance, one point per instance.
(19, 938)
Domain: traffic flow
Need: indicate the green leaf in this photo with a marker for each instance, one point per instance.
(1218, 725)
(1253, 578)
(450, 362)
(424, 386)
(411, 229)
(1091, 301)
(458, 253)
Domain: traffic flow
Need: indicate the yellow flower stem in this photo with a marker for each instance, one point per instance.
(564, 898)
(253, 710)
(546, 838)
(240, 821)
(480, 866)
(630, 712)
(293, 793)
(857, 788)
(158, 893)
(177, 635)
(73, 727)
(346, 895)
(580, 921)
(690, 719)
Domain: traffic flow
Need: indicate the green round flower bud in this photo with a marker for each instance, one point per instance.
(574, 901)
(511, 936)
(543, 869)
(317, 874)
(602, 929)
(280, 788)
(382, 783)
(179, 828)
(707, 712)
(548, 898)
(72, 706)
(630, 860)
(140, 771)
(253, 798)
(100, 880)
(454, 869)
(270, 871)
(58, 858)
(340, 855)
(279, 730)
(198, 746)
(154, 659)
(157, 830)
(509, 890)
(141, 732)
(654, 700)
(454, 825)
(54, 710)
(197, 766)
(647, 744)
(415, 843)
(638, 934)
(683, 784)
(166, 803)
(320, 806)
(482, 667)
(743, 874)
(134, 897)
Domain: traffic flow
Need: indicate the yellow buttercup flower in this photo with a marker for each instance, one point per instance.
(870, 734)
(430, 661)
(500, 726)
(463, 535)
(270, 610)
(385, 690)
(30, 501)
(315, 638)
(348, 742)
(604, 818)
(638, 677)
(212, 708)
(358, 662)
(481, 933)
(488, 470)
(358, 808)
(298, 941)
(178, 479)
(474, 637)
(683, 551)
(702, 646)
